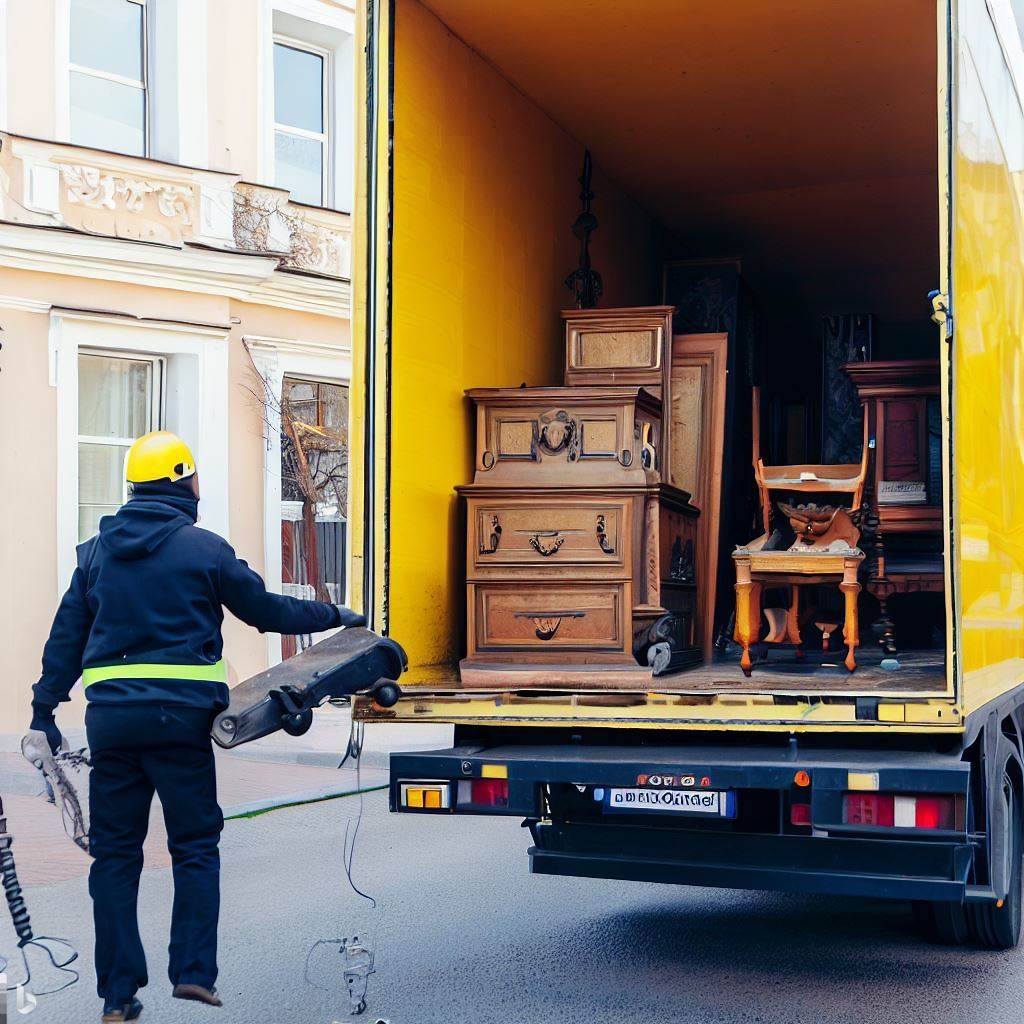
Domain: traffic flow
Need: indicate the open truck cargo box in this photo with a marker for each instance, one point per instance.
(853, 157)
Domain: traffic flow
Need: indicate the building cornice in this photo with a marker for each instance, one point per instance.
(247, 278)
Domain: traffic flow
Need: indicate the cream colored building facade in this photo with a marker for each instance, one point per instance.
(173, 176)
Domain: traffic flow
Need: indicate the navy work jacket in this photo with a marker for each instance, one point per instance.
(149, 592)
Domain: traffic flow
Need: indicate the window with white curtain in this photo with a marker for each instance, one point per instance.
(301, 119)
(108, 84)
(119, 398)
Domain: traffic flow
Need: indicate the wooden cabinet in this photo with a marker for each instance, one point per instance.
(618, 346)
(581, 562)
(901, 398)
(903, 537)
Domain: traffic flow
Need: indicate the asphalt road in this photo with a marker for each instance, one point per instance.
(463, 933)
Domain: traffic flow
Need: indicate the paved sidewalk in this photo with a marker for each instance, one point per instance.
(45, 855)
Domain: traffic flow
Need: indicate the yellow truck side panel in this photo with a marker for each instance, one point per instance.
(485, 194)
(988, 360)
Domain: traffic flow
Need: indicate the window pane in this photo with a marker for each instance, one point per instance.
(89, 517)
(107, 115)
(107, 35)
(100, 484)
(299, 390)
(335, 406)
(298, 165)
(298, 88)
(115, 397)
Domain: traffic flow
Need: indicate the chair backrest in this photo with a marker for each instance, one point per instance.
(844, 478)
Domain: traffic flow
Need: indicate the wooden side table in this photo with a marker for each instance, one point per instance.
(756, 570)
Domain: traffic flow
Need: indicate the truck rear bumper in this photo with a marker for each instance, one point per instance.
(885, 869)
(561, 790)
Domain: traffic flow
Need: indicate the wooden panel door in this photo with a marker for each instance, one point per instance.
(697, 436)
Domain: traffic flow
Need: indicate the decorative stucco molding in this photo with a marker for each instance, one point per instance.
(106, 190)
(266, 221)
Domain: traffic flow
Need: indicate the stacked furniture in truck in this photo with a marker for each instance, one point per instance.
(581, 561)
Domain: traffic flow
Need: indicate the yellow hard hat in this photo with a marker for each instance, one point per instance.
(159, 455)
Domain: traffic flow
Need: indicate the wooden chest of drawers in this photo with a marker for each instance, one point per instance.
(563, 557)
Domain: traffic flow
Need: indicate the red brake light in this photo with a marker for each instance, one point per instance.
(870, 809)
(489, 792)
(800, 814)
(934, 812)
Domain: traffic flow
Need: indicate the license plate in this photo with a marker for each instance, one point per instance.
(709, 803)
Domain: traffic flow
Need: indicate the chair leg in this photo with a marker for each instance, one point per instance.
(744, 618)
(851, 635)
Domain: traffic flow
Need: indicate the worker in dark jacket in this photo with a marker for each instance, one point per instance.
(141, 624)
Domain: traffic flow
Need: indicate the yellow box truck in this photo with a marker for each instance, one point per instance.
(855, 157)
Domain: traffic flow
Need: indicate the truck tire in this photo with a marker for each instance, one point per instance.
(942, 922)
(993, 926)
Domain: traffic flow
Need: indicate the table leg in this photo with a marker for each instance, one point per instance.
(850, 588)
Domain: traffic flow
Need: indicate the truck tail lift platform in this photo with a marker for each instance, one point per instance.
(355, 660)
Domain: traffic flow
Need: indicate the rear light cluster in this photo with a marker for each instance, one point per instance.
(897, 810)
(436, 795)
(483, 792)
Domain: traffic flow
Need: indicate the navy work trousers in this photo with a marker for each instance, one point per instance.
(137, 750)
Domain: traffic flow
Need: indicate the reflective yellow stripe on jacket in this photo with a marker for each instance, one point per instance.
(217, 673)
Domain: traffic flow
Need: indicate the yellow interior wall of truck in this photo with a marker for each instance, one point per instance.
(988, 306)
(485, 192)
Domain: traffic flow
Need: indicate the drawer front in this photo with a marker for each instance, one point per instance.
(549, 533)
(549, 617)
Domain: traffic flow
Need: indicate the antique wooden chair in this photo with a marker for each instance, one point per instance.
(825, 552)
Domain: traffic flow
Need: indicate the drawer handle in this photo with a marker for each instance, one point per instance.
(495, 538)
(545, 624)
(546, 552)
(602, 537)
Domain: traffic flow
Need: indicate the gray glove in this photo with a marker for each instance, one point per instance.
(349, 617)
(44, 723)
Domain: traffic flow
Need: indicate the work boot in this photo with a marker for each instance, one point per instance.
(197, 994)
(117, 1013)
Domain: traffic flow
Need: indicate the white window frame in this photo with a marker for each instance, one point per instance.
(195, 396)
(275, 359)
(325, 137)
(109, 76)
(315, 25)
(157, 412)
(177, 95)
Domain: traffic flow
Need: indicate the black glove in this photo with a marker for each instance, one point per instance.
(43, 721)
(349, 617)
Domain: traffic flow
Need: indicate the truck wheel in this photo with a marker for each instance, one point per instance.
(998, 927)
(942, 922)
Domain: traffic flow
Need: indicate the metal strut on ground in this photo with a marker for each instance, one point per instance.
(36, 749)
(356, 955)
(59, 952)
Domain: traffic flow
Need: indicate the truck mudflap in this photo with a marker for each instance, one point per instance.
(882, 823)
